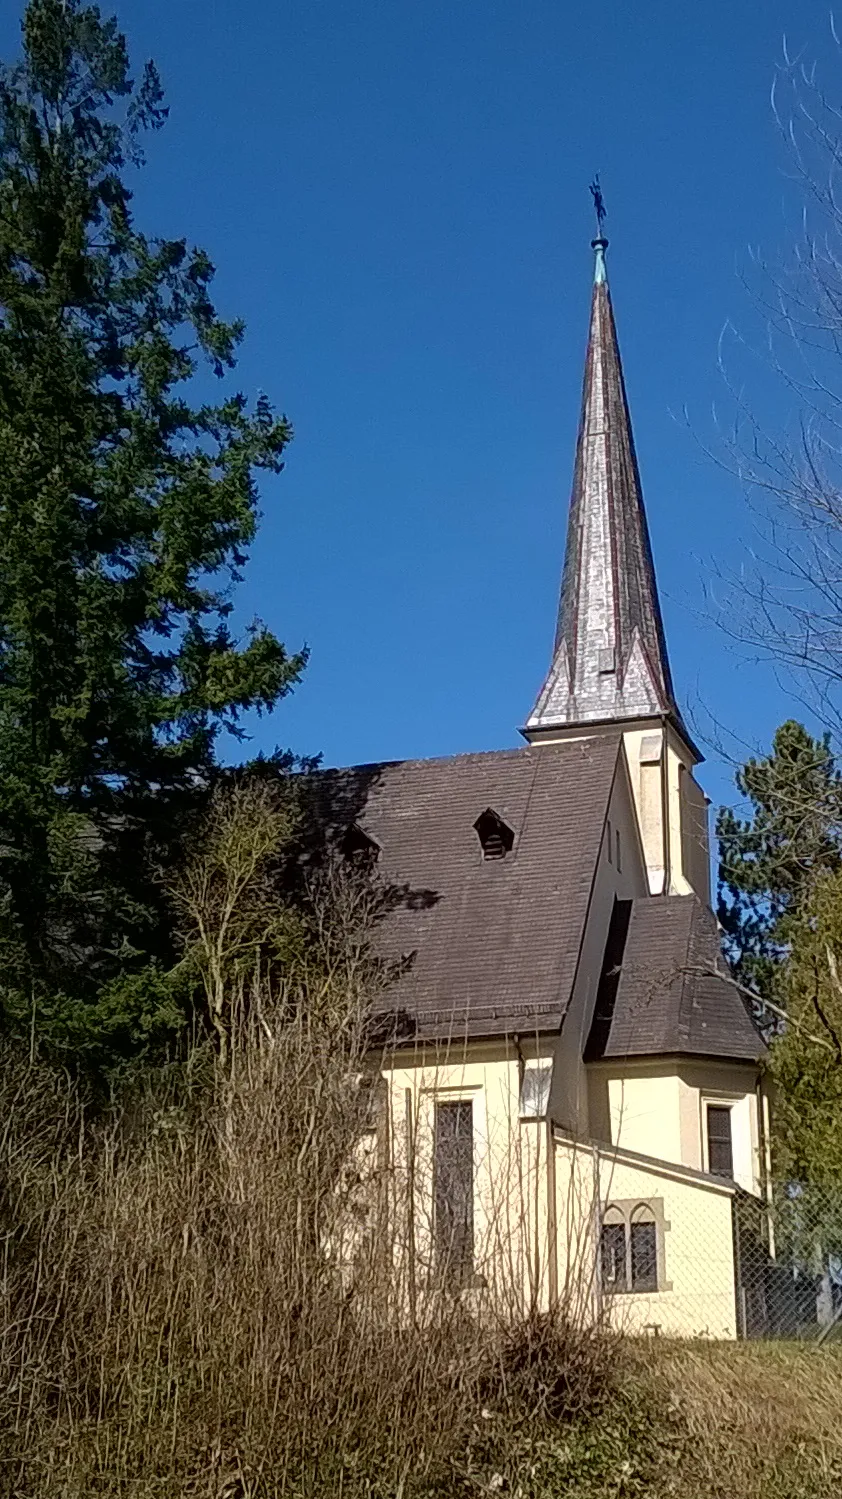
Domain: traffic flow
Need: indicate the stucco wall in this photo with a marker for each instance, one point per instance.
(693, 834)
(696, 1295)
(661, 767)
(644, 747)
(540, 1195)
(657, 1108)
(735, 1086)
(645, 1115)
(512, 1231)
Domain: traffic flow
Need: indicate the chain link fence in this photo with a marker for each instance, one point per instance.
(788, 1263)
(694, 1255)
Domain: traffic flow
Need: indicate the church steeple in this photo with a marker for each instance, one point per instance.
(610, 658)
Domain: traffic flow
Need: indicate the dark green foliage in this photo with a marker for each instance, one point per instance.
(769, 861)
(806, 1064)
(780, 902)
(125, 515)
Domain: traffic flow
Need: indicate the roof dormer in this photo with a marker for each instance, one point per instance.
(496, 837)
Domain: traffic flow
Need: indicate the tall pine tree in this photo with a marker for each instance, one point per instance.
(770, 860)
(126, 512)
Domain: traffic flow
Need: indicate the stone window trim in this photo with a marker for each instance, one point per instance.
(621, 1211)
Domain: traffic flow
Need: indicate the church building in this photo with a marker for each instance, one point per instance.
(573, 1107)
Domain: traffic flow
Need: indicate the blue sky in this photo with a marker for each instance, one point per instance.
(395, 194)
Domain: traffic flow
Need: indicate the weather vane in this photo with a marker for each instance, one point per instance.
(598, 203)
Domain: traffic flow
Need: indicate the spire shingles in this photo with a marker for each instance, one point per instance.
(610, 660)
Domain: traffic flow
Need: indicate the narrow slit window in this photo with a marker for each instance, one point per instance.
(720, 1144)
(608, 843)
(454, 1190)
(617, 847)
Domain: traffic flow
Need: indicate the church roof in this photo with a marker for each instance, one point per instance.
(492, 944)
(673, 996)
(487, 942)
(610, 658)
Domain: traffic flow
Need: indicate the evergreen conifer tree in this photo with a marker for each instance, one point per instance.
(780, 905)
(806, 1056)
(769, 861)
(126, 512)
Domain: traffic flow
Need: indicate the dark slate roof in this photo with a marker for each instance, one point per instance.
(668, 1001)
(493, 945)
(610, 656)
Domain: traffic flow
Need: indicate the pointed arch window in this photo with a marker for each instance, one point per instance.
(495, 836)
(632, 1247)
(613, 1251)
(643, 1249)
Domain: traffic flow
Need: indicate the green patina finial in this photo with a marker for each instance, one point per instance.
(600, 244)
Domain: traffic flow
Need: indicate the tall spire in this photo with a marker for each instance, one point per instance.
(610, 659)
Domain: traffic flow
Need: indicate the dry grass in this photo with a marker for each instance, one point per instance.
(176, 1315)
(175, 1322)
(755, 1419)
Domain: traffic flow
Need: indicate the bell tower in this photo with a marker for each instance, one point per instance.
(610, 668)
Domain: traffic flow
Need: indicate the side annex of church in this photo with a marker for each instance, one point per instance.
(572, 1102)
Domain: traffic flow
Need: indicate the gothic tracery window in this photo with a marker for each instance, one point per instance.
(631, 1248)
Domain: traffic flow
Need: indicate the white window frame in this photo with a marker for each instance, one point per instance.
(728, 1101)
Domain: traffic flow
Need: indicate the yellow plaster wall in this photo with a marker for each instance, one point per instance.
(576, 1189)
(647, 789)
(645, 1115)
(539, 1195)
(656, 786)
(697, 1297)
(679, 882)
(729, 1084)
(511, 1226)
(657, 1109)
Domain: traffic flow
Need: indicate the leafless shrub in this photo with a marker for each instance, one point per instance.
(207, 1296)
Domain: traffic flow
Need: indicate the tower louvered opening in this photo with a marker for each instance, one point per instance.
(495, 836)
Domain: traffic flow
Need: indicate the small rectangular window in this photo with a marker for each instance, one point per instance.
(608, 842)
(720, 1147)
(535, 1091)
(612, 1247)
(619, 865)
(454, 1190)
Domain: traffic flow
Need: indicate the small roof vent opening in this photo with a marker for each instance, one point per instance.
(358, 847)
(495, 836)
